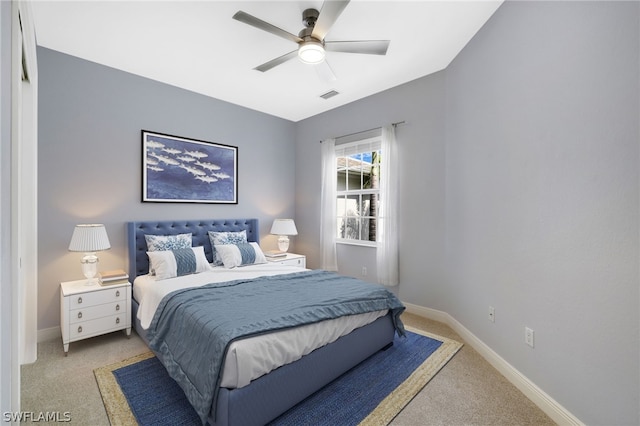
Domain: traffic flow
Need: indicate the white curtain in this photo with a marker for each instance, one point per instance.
(328, 220)
(387, 252)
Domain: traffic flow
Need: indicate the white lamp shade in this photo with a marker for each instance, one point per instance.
(284, 227)
(89, 238)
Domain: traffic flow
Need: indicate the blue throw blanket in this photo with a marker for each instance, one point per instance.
(192, 329)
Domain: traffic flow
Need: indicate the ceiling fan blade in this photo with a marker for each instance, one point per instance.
(265, 26)
(369, 47)
(329, 13)
(325, 72)
(277, 61)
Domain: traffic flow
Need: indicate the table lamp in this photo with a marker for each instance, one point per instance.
(89, 238)
(284, 228)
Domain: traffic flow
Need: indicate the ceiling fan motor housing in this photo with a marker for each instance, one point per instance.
(305, 34)
(310, 50)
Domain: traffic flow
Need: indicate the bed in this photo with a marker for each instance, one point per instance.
(266, 397)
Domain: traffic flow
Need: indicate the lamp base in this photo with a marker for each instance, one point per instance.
(283, 243)
(90, 268)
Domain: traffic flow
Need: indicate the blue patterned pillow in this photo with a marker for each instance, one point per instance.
(167, 242)
(233, 255)
(176, 263)
(225, 238)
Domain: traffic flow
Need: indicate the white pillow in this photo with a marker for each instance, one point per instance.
(175, 263)
(233, 255)
(220, 238)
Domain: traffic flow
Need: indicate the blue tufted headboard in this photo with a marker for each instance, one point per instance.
(137, 245)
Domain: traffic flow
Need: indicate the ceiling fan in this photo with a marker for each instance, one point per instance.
(311, 43)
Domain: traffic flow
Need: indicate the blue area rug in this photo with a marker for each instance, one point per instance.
(376, 389)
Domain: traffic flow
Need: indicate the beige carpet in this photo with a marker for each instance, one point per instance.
(119, 412)
(467, 391)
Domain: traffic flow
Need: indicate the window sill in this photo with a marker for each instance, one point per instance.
(357, 243)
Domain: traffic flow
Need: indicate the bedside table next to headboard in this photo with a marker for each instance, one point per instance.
(88, 311)
(291, 259)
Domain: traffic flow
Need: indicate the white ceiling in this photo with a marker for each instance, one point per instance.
(198, 46)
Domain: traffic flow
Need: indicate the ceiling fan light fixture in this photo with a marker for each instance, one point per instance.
(311, 52)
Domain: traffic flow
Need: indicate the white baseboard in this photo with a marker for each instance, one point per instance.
(49, 334)
(547, 404)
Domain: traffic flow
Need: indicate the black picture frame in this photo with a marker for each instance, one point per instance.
(176, 169)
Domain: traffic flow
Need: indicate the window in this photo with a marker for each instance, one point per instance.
(358, 191)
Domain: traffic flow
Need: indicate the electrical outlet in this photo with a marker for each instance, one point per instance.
(528, 336)
(364, 271)
(492, 314)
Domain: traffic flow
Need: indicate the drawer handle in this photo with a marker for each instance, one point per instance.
(117, 307)
(79, 314)
(118, 320)
(117, 293)
(79, 300)
(80, 329)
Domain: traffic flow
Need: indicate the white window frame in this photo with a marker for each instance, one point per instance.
(346, 149)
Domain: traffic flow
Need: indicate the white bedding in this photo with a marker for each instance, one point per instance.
(148, 292)
(248, 359)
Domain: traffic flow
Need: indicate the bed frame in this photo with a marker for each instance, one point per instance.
(269, 396)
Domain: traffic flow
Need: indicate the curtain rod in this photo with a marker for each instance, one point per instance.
(369, 130)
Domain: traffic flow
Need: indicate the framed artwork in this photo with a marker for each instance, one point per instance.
(181, 170)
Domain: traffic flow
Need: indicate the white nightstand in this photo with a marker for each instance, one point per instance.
(291, 259)
(88, 311)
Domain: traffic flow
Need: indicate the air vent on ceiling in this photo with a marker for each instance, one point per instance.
(329, 94)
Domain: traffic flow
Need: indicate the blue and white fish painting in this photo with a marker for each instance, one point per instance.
(175, 170)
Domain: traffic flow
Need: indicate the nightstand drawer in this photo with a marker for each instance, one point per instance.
(97, 297)
(97, 326)
(92, 312)
(299, 262)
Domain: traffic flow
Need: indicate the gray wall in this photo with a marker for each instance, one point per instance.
(520, 191)
(542, 198)
(90, 161)
(421, 141)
